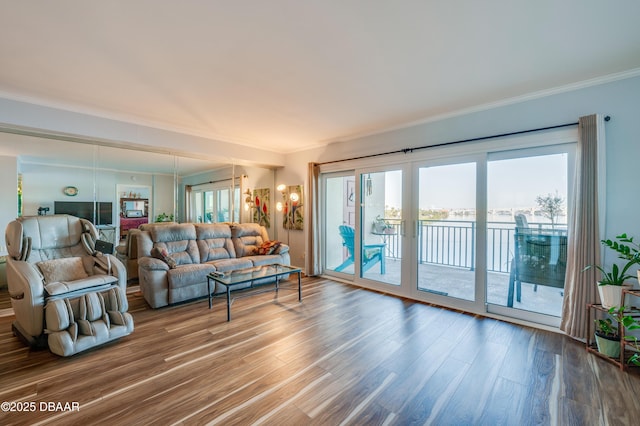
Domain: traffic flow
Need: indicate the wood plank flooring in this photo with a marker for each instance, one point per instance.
(344, 355)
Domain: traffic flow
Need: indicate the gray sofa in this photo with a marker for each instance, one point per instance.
(174, 260)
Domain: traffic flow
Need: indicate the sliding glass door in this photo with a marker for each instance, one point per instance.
(528, 194)
(340, 217)
(487, 231)
(447, 224)
(381, 226)
(364, 226)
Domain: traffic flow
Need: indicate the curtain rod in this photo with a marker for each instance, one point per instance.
(438, 145)
(213, 181)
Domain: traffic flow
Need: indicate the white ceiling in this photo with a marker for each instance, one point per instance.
(287, 75)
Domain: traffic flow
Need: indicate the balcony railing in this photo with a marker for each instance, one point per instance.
(452, 243)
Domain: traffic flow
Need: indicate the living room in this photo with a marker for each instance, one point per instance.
(96, 133)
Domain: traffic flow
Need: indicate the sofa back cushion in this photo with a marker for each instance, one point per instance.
(214, 241)
(247, 237)
(179, 240)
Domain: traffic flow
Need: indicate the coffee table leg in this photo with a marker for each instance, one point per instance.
(299, 288)
(209, 290)
(228, 303)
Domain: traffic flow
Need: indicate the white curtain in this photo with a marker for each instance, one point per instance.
(313, 221)
(584, 228)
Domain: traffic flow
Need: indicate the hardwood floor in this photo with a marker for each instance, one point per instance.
(343, 356)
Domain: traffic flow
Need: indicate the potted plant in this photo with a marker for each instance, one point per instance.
(631, 323)
(607, 337)
(163, 217)
(612, 283)
(614, 280)
(380, 226)
(626, 248)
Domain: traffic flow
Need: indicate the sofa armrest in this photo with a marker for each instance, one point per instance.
(110, 265)
(282, 249)
(25, 281)
(121, 251)
(152, 264)
(26, 289)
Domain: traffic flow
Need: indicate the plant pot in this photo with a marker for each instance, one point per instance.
(611, 295)
(608, 346)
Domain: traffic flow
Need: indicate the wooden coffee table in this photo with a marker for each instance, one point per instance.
(238, 280)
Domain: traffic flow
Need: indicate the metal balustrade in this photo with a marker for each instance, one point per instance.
(452, 243)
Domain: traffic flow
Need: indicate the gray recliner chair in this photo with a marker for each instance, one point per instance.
(65, 295)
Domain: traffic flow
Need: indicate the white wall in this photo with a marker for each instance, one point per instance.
(163, 199)
(294, 174)
(8, 194)
(619, 99)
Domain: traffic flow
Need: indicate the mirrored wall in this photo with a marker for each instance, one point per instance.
(115, 186)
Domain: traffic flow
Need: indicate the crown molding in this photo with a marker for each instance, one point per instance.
(597, 81)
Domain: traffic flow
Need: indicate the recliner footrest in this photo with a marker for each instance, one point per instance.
(80, 322)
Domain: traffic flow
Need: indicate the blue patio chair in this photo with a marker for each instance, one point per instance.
(371, 253)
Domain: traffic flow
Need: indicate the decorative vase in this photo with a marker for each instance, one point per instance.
(611, 295)
(608, 346)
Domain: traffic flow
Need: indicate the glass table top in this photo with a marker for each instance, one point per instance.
(250, 274)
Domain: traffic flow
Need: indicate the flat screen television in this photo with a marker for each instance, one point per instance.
(84, 209)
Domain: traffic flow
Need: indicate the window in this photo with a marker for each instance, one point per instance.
(213, 204)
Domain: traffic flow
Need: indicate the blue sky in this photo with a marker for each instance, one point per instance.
(513, 183)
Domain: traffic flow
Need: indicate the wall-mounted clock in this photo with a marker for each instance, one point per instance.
(71, 191)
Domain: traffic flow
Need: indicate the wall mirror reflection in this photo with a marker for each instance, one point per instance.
(114, 186)
(137, 207)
